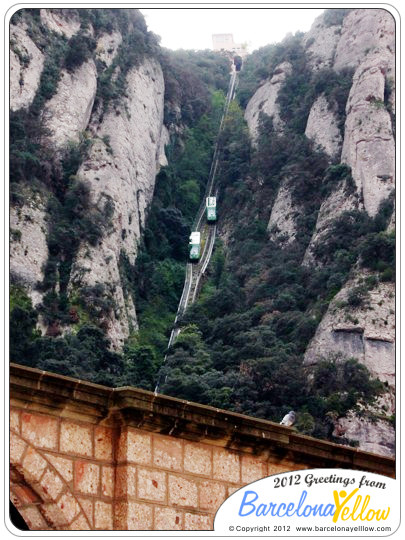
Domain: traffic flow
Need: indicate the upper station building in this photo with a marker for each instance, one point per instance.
(225, 42)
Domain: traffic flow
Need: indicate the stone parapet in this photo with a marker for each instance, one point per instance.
(88, 457)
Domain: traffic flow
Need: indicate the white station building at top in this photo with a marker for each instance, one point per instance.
(225, 42)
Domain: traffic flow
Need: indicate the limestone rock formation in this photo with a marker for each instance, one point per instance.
(320, 43)
(364, 31)
(107, 47)
(127, 148)
(264, 100)
(367, 44)
(322, 128)
(376, 436)
(26, 63)
(62, 21)
(367, 333)
(121, 168)
(360, 331)
(68, 112)
(28, 247)
(369, 146)
(282, 222)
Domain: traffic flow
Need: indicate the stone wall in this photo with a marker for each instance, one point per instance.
(88, 457)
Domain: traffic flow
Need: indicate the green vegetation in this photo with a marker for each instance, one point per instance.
(301, 87)
(158, 277)
(194, 97)
(334, 17)
(23, 321)
(238, 352)
(377, 252)
(242, 342)
(80, 48)
(73, 218)
(261, 63)
(244, 339)
(137, 43)
(84, 355)
(190, 79)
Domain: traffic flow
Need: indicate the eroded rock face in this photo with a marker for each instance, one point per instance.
(367, 44)
(322, 128)
(367, 333)
(164, 141)
(121, 168)
(364, 31)
(320, 44)
(68, 112)
(359, 331)
(107, 47)
(377, 437)
(61, 21)
(264, 100)
(369, 146)
(28, 247)
(339, 201)
(282, 222)
(128, 150)
(26, 64)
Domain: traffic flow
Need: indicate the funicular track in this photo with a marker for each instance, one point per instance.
(196, 270)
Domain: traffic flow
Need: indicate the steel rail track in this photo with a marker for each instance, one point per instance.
(193, 276)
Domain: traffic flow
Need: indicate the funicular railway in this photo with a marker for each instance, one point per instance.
(207, 230)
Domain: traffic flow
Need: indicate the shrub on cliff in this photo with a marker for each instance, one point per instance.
(23, 333)
(377, 251)
(79, 49)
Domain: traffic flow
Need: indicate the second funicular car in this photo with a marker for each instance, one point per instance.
(211, 206)
(195, 242)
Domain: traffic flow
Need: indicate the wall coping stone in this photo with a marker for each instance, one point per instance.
(70, 398)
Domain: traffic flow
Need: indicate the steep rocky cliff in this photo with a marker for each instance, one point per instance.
(367, 44)
(26, 63)
(265, 99)
(123, 172)
(362, 137)
(125, 147)
(322, 128)
(28, 220)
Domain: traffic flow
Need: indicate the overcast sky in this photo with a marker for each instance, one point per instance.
(192, 28)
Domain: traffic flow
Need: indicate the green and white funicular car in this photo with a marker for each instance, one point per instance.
(211, 208)
(195, 242)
